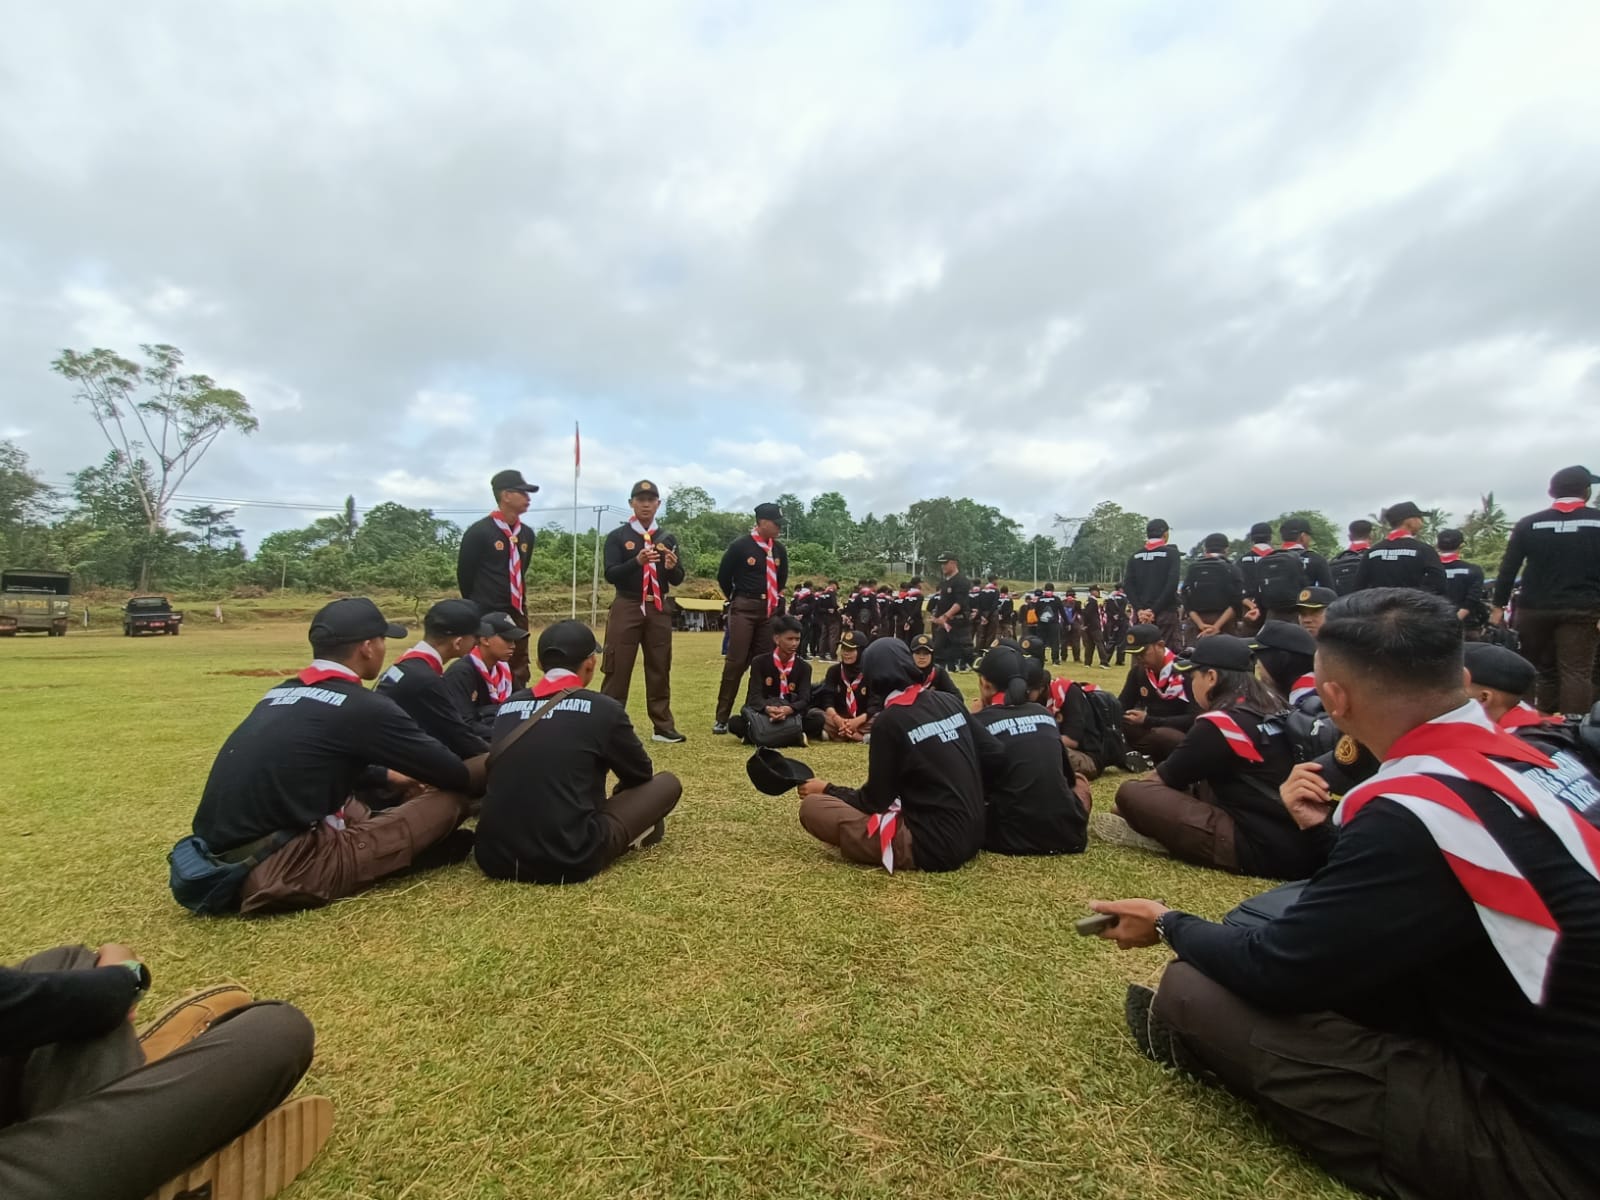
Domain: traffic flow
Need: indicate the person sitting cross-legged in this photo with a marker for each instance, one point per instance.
(90, 1106)
(780, 689)
(846, 705)
(1424, 1019)
(480, 682)
(416, 680)
(922, 805)
(1214, 801)
(546, 817)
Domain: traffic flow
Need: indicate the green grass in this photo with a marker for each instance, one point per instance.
(732, 1013)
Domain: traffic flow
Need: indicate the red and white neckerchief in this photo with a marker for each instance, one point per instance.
(650, 583)
(1360, 547)
(784, 667)
(1056, 699)
(930, 683)
(1449, 556)
(512, 532)
(497, 680)
(1305, 686)
(426, 653)
(1567, 504)
(556, 680)
(883, 826)
(910, 694)
(1291, 546)
(1168, 682)
(1524, 715)
(1423, 773)
(1239, 741)
(773, 595)
(1155, 543)
(1261, 549)
(1397, 534)
(852, 701)
(321, 670)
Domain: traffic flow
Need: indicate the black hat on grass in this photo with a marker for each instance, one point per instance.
(773, 774)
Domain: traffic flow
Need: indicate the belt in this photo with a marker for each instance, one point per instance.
(244, 853)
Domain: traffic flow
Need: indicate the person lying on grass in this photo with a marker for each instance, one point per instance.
(546, 817)
(90, 1106)
(281, 794)
(1037, 805)
(1424, 1020)
(922, 806)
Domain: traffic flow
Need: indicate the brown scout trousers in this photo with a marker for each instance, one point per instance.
(326, 864)
(631, 629)
(1389, 1114)
(521, 672)
(831, 820)
(1158, 743)
(1561, 645)
(749, 636)
(1194, 829)
(88, 1118)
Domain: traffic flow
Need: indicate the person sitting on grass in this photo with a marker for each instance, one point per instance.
(922, 806)
(480, 682)
(1424, 1021)
(846, 704)
(1156, 708)
(546, 817)
(780, 687)
(1037, 804)
(92, 1107)
(1285, 655)
(1214, 802)
(416, 680)
(937, 677)
(280, 793)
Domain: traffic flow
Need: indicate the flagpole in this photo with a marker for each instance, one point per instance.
(577, 459)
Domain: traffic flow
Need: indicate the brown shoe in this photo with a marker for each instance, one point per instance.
(261, 1161)
(186, 1020)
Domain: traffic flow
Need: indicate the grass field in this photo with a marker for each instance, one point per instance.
(732, 1013)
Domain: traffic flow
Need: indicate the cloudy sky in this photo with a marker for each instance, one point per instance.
(1210, 260)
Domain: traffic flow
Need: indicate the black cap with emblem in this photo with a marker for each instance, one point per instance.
(769, 512)
(644, 488)
(453, 618)
(511, 481)
(566, 644)
(1141, 636)
(1316, 597)
(922, 642)
(498, 624)
(353, 619)
(1218, 652)
(773, 774)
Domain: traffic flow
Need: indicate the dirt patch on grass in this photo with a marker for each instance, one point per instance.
(257, 673)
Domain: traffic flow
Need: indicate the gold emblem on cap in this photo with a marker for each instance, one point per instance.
(1132, 641)
(1306, 595)
(1347, 751)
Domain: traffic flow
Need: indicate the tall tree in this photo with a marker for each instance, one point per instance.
(213, 532)
(154, 410)
(1485, 531)
(1103, 543)
(25, 501)
(828, 522)
(685, 502)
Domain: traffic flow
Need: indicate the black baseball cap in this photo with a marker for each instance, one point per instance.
(774, 774)
(1499, 667)
(851, 640)
(1571, 481)
(566, 644)
(1284, 635)
(1141, 636)
(1403, 511)
(644, 488)
(353, 619)
(769, 512)
(944, 558)
(511, 481)
(1294, 527)
(1032, 645)
(1218, 652)
(1316, 597)
(923, 641)
(498, 624)
(453, 618)
(1261, 531)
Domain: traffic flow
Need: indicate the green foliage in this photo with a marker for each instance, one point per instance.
(1101, 547)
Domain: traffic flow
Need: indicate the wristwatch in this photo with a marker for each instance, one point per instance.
(140, 972)
(1161, 929)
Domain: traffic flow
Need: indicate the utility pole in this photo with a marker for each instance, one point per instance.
(594, 591)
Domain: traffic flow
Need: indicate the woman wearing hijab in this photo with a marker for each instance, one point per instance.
(1215, 800)
(922, 805)
(1037, 805)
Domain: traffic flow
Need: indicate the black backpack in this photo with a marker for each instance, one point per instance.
(1280, 578)
(1105, 713)
(1209, 586)
(1345, 567)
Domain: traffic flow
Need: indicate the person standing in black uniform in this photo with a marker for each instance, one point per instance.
(641, 562)
(416, 683)
(1402, 559)
(1052, 616)
(481, 682)
(753, 574)
(1346, 565)
(829, 625)
(1213, 591)
(546, 816)
(803, 608)
(492, 565)
(952, 637)
(1463, 584)
(1557, 553)
(911, 609)
(1005, 613)
(1260, 547)
(1114, 625)
(1152, 577)
(986, 607)
(1282, 575)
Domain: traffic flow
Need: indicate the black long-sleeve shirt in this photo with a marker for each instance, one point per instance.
(1213, 585)
(1139, 690)
(1463, 587)
(1151, 578)
(1386, 935)
(766, 686)
(1558, 554)
(1402, 562)
(543, 814)
(832, 692)
(420, 689)
(1032, 808)
(483, 564)
(624, 571)
(295, 759)
(471, 696)
(39, 1008)
(955, 599)
(743, 571)
(933, 758)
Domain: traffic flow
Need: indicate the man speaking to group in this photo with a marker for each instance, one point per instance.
(753, 574)
(642, 564)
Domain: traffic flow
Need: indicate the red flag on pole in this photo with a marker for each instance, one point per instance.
(577, 450)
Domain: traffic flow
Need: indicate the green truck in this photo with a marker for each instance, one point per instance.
(35, 602)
